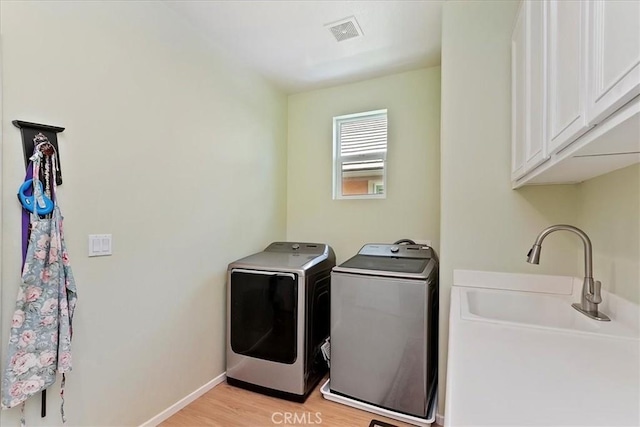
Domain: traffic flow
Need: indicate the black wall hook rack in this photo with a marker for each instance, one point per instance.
(29, 131)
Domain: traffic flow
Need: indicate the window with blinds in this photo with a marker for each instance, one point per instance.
(360, 155)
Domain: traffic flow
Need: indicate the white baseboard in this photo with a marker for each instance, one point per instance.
(173, 409)
(439, 419)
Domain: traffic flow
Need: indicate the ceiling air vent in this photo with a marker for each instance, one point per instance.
(345, 29)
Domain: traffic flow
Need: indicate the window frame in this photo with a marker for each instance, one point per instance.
(338, 159)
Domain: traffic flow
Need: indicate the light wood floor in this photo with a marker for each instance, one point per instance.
(227, 406)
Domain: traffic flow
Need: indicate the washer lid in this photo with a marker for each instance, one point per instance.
(415, 261)
(381, 263)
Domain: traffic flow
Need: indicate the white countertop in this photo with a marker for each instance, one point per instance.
(505, 373)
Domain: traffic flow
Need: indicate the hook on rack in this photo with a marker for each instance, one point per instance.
(37, 135)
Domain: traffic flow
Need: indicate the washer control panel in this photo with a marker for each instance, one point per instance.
(400, 251)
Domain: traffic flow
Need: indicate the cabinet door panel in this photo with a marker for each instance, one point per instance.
(518, 96)
(535, 151)
(567, 85)
(615, 56)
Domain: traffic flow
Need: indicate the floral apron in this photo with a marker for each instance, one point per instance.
(40, 337)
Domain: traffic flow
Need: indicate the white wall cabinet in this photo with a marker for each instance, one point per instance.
(518, 95)
(567, 72)
(537, 96)
(575, 68)
(614, 56)
(528, 73)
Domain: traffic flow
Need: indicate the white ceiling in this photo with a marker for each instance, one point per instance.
(288, 42)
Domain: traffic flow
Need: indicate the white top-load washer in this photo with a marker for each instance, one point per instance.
(384, 327)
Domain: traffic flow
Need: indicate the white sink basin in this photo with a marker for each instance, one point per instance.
(520, 355)
(548, 311)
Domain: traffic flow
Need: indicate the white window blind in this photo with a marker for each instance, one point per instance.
(360, 154)
(365, 136)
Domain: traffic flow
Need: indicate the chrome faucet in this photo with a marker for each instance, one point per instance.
(590, 290)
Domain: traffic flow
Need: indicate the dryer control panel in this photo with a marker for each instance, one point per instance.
(297, 247)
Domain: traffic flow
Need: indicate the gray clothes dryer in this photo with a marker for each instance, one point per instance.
(278, 317)
(384, 327)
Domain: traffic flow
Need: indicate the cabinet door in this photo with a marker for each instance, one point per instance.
(528, 73)
(518, 95)
(536, 84)
(614, 47)
(567, 69)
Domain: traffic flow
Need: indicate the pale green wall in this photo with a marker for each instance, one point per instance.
(485, 224)
(176, 152)
(412, 206)
(610, 215)
(2, 332)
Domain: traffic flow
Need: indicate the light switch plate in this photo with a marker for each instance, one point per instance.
(100, 245)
